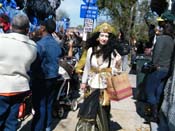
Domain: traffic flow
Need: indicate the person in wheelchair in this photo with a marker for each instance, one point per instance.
(101, 61)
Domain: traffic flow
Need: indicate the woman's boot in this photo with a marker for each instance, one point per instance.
(108, 114)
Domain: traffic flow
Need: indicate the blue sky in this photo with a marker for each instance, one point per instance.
(72, 8)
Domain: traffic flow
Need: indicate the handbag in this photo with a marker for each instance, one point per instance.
(148, 67)
(118, 86)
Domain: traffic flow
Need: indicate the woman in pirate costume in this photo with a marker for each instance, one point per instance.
(102, 60)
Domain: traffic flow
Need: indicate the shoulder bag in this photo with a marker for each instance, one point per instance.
(118, 86)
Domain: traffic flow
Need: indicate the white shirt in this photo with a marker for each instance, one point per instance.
(17, 52)
(98, 80)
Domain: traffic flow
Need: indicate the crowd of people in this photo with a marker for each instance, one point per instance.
(29, 61)
(32, 64)
(25, 66)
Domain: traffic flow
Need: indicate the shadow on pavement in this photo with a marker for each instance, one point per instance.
(57, 119)
(114, 126)
(140, 97)
(27, 125)
(140, 103)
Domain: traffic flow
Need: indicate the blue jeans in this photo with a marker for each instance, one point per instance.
(42, 99)
(155, 86)
(9, 107)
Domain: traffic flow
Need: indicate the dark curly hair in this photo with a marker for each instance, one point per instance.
(106, 49)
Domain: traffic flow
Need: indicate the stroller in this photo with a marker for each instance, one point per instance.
(68, 83)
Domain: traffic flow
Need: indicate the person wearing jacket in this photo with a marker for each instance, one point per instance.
(123, 48)
(17, 53)
(44, 77)
(162, 60)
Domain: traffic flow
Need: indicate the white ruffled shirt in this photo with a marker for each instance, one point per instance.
(98, 80)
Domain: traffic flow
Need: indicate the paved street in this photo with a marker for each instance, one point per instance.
(125, 116)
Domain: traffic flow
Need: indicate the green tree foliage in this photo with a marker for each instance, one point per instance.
(125, 14)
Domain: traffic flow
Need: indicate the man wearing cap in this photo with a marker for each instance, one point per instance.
(162, 59)
(17, 53)
(44, 77)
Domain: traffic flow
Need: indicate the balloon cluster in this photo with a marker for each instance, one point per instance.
(36, 10)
